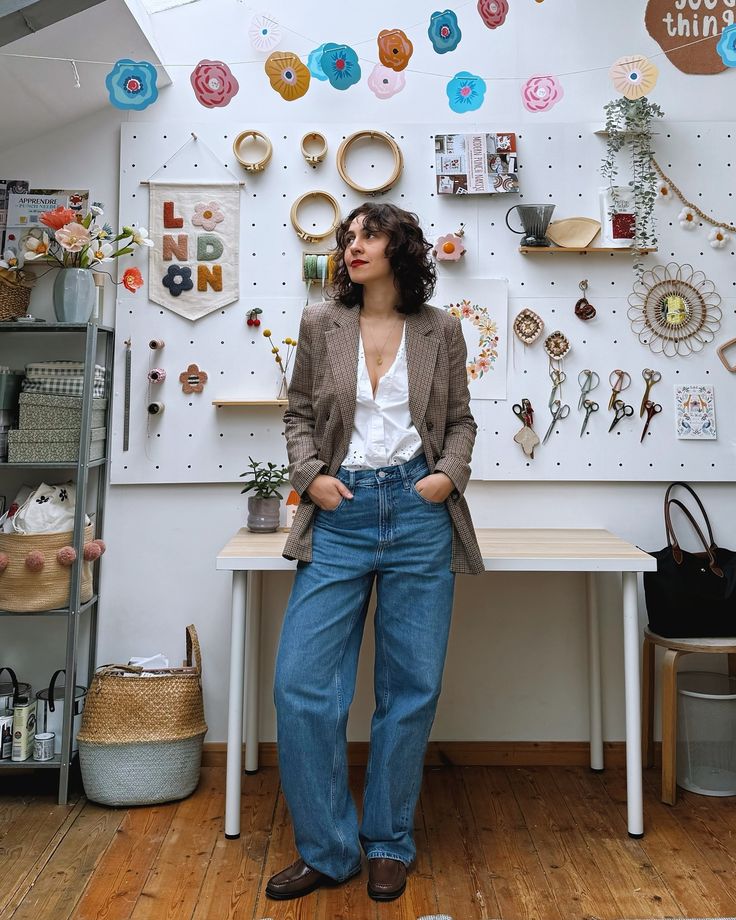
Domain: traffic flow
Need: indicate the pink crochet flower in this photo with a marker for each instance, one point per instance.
(449, 248)
(541, 93)
(213, 83)
(493, 12)
(384, 82)
(207, 215)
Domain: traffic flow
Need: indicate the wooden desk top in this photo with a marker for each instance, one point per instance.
(503, 550)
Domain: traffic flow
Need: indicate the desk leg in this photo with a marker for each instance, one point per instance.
(252, 646)
(634, 794)
(594, 673)
(235, 706)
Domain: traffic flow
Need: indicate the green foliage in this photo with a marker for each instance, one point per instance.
(265, 479)
(629, 122)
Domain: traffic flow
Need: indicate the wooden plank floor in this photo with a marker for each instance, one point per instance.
(518, 843)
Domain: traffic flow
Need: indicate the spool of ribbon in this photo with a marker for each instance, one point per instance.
(317, 267)
(155, 408)
(156, 344)
(157, 375)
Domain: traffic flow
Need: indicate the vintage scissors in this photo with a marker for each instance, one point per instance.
(619, 381)
(652, 409)
(558, 412)
(557, 377)
(650, 378)
(589, 407)
(622, 411)
(588, 380)
(524, 412)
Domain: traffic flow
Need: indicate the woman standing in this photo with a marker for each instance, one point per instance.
(379, 435)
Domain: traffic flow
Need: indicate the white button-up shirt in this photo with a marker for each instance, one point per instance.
(383, 432)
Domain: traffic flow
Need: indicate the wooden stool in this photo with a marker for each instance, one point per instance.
(675, 649)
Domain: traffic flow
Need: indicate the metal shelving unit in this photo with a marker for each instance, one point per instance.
(75, 608)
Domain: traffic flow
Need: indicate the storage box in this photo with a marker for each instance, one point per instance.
(39, 410)
(52, 445)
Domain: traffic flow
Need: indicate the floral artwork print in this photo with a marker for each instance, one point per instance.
(634, 76)
(444, 32)
(178, 278)
(394, 49)
(493, 12)
(340, 63)
(465, 92)
(207, 216)
(213, 83)
(384, 82)
(289, 76)
(483, 362)
(541, 93)
(132, 84)
(264, 33)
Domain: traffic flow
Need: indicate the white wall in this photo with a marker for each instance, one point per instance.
(516, 667)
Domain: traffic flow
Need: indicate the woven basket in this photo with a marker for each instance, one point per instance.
(141, 737)
(24, 591)
(14, 300)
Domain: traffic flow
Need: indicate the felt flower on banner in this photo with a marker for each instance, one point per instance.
(634, 76)
(132, 279)
(540, 94)
(663, 190)
(394, 48)
(688, 219)
(36, 245)
(264, 32)
(726, 46)
(207, 216)
(288, 75)
(132, 84)
(465, 92)
(178, 278)
(384, 82)
(718, 238)
(444, 32)
(493, 12)
(314, 63)
(58, 218)
(213, 83)
(340, 63)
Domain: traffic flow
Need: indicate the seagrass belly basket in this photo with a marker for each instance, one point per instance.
(142, 731)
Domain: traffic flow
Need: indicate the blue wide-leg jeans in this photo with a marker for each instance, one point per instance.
(387, 531)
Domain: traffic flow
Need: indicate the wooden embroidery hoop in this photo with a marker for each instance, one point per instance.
(721, 352)
(313, 236)
(253, 165)
(314, 158)
(342, 153)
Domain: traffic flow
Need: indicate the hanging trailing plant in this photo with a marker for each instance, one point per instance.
(629, 124)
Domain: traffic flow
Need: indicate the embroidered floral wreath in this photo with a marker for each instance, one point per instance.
(485, 360)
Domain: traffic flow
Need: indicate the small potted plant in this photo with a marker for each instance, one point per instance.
(265, 505)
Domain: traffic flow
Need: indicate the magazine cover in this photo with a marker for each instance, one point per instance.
(476, 164)
(25, 208)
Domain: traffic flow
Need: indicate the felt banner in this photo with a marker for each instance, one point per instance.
(194, 263)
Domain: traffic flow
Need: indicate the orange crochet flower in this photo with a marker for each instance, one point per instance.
(288, 75)
(59, 217)
(394, 48)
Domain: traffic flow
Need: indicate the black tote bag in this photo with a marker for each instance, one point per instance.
(691, 595)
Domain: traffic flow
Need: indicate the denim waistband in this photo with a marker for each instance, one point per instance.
(404, 472)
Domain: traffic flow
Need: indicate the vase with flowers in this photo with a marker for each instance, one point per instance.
(15, 285)
(283, 364)
(80, 245)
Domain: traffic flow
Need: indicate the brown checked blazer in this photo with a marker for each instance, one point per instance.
(319, 418)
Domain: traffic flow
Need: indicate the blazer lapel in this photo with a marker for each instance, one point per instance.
(421, 357)
(342, 353)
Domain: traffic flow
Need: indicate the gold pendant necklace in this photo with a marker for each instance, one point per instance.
(379, 352)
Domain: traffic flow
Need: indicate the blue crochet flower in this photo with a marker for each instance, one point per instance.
(132, 84)
(726, 46)
(340, 64)
(177, 279)
(465, 92)
(314, 63)
(444, 32)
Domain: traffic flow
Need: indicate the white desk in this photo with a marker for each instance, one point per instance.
(247, 555)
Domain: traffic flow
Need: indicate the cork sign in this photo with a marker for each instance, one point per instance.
(688, 31)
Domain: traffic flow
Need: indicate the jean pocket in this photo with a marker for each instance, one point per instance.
(336, 508)
(425, 501)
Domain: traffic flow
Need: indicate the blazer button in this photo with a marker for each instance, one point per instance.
(430, 426)
(455, 494)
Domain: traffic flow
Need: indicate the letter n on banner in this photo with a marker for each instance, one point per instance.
(211, 230)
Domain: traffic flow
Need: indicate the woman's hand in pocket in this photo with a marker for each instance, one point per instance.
(327, 492)
(435, 487)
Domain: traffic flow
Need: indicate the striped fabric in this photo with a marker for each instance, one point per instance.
(321, 411)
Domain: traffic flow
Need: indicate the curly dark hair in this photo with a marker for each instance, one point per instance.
(407, 251)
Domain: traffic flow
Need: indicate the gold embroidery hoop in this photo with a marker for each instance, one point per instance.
(342, 153)
(314, 158)
(313, 236)
(253, 165)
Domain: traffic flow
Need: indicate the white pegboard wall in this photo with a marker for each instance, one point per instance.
(192, 441)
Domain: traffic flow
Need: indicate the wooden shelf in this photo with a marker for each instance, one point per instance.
(227, 403)
(559, 250)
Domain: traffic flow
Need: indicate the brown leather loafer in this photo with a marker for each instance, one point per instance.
(386, 879)
(297, 880)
